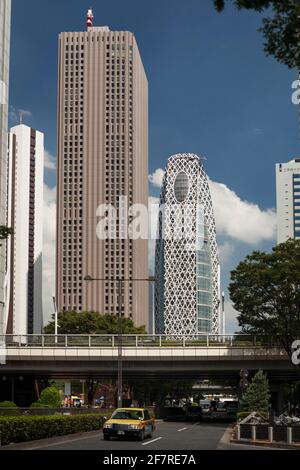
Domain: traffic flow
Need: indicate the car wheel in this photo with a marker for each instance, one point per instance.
(106, 438)
(142, 435)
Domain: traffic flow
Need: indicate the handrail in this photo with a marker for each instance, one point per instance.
(136, 341)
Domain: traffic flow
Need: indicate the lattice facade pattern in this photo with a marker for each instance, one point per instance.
(187, 290)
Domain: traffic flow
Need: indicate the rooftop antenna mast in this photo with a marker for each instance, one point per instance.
(21, 115)
(90, 18)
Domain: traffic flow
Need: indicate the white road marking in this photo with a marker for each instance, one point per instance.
(66, 441)
(182, 429)
(153, 440)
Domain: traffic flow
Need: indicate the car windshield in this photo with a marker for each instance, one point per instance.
(128, 414)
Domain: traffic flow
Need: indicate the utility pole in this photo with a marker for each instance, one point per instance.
(55, 319)
(120, 282)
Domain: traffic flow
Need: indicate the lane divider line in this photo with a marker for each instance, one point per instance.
(153, 440)
(182, 429)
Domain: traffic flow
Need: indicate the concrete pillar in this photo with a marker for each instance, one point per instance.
(253, 433)
(270, 433)
(289, 436)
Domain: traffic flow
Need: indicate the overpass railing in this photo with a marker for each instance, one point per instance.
(136, 341)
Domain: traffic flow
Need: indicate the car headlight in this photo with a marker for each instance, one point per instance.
(134, 426)
(107, 426)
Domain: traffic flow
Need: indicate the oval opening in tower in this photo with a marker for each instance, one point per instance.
(181, 186)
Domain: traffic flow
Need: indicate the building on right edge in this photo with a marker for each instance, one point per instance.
(187, 290)
(288, 200)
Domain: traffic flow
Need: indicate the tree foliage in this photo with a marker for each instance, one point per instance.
(265, 290)
(50, 397)
(5, 232)
(257, 396)
(281, 31)
(89, 323)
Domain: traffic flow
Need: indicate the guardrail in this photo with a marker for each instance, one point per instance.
(136, 341)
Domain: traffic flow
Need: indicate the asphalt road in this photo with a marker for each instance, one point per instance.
(168, 436)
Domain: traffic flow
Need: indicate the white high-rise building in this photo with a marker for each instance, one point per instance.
(5, 14)
(24, 311)
(288, 200)
(187, 290)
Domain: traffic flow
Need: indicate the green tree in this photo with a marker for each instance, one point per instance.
(257, 396)
(265, 290)
(92, 323)
(5, 232)
(281, 31)
(50, 397)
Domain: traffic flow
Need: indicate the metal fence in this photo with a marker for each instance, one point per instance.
(136, 341)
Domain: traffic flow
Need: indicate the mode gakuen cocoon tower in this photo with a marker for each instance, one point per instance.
(187, 290)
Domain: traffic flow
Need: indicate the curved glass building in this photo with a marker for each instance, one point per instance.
(187, 289)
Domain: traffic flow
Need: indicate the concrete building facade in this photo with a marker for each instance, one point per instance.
(288, 200)
(187, 271)
(5, 17)
(102, 156)
(23, 285)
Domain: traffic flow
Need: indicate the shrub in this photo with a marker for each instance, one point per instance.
(30, 428)
(50, 397)
(8, 404)
(38, 404)
(11, 410)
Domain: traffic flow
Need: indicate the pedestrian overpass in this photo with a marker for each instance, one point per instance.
(143, 357)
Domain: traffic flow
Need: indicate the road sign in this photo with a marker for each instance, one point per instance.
(244, 373)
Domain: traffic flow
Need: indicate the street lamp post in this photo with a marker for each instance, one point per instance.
(120, 282)
(55, 318)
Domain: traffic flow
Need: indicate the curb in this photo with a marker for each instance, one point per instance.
(277, 445)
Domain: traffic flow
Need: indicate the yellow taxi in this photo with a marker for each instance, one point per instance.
(129, 422)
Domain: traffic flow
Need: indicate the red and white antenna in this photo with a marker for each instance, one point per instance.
(90, 18)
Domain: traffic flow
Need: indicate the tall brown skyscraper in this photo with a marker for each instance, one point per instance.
(102, 155)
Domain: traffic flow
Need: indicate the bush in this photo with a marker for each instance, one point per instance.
(8, 404)
(38, 404)
(30, 428)
(243, 414)
(11, 410)
(50, 397)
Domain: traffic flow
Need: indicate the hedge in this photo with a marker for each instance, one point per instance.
(29, 428)
(243, 414)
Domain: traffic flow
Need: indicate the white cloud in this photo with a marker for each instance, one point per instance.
(156, 178)
(226, 250)
(49, 253)
(49, 161)
(153, 205)
(231, 322)
(241, 220)
(15, 114)
(238, 219)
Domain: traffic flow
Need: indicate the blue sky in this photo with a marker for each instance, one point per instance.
(212, 89)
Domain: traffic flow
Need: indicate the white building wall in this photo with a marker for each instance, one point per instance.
(5, 17)
(21, 229)
(287, 194)
(38, 235)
